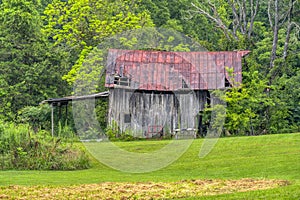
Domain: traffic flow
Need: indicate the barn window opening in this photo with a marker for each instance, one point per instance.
(227, 83)
(127, 118)
(184, 85)
(122, 81)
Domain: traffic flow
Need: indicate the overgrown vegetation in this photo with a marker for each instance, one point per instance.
(22, 148)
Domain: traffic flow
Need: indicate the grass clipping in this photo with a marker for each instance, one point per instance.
(148, 190)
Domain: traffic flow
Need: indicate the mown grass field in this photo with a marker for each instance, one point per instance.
(269, 157)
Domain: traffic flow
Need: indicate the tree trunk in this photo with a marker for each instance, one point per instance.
(287, 40)
(289, 29)
(275, 26)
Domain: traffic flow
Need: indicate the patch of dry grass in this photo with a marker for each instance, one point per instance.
(148, 190)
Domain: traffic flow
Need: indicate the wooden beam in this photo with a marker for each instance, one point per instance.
(52, 120)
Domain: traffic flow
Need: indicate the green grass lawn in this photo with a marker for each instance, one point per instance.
(259, 157)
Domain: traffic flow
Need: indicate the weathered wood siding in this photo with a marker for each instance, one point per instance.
(147, 113)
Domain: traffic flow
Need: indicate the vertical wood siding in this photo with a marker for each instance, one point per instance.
(152, 112)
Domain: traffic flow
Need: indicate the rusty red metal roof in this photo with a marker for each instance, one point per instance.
(171, 71)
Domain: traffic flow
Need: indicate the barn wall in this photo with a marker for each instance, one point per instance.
(146, 113)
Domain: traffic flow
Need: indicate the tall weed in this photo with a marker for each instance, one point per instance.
(22, 148)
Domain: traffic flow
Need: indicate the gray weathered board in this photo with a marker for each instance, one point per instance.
(146, 113)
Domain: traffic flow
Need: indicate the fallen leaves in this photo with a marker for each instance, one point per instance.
(140, 190)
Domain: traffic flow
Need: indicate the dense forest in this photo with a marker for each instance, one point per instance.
(44, 42)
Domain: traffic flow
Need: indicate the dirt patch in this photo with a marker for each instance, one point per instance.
(148, 190)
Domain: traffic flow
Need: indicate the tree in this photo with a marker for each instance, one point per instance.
(30, 69)
(265, 103)
(172, 14)
(79, 25)
(158, 10)
(233, 17)
(5, 99)
(279, 14)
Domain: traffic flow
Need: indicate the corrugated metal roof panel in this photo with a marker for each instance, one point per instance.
(170, 71)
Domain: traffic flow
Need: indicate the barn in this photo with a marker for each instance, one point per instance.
(157, 92)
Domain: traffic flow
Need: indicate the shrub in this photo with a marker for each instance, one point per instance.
(38, 117)
(21, 148)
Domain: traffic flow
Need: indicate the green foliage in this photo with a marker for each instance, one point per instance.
(19, 50)
(42, 41)
(66, 132)
(114, 134)
(82, 25)
(244, 104)
(30, 68)
(101, 112)
(258, 108)
(21, 148)
(38, 117)
(159, 10)
(172, 14)
(5, 100)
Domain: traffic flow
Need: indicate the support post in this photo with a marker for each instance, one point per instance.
(66, 114)
(59, 105)
(52, 120)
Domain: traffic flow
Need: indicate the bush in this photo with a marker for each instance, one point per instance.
(38, 117)
(21, 148)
